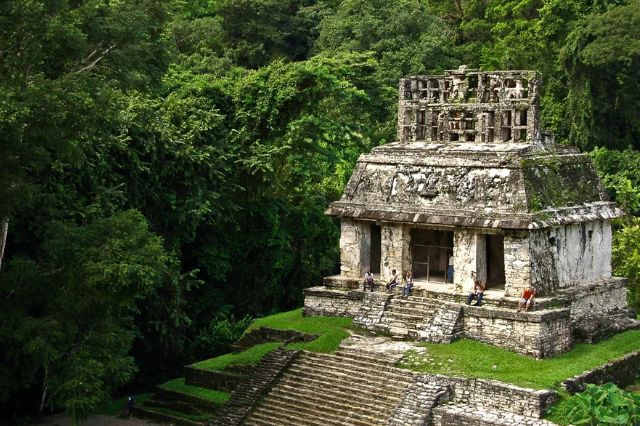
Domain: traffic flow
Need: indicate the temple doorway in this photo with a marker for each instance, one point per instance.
(375, 254)
(495, 261)
(429, 254)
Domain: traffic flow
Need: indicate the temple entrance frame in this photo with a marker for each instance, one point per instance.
(430, 250)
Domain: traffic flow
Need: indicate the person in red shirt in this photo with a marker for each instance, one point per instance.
(527, 298)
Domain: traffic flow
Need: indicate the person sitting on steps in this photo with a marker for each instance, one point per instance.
(368, 281)
(393, 282)
(477, 293)
(526, 299)
(408, 285)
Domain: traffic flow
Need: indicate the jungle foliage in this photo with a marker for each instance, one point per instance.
(165, 165)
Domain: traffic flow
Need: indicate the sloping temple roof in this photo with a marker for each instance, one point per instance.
(491, 168)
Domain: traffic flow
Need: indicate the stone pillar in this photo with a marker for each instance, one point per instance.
(396, 249)
(469, 255)
(517, 263)
(355, 248)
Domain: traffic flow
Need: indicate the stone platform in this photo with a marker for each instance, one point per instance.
(443, 291)
(436, 312)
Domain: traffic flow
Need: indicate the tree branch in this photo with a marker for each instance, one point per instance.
(4, 230)
(95, 61)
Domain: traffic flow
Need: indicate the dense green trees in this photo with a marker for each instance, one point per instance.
(165, 165)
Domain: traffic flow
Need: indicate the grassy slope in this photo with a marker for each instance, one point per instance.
(178, 385)
(250, 356)
(469, 358)
(330, 331)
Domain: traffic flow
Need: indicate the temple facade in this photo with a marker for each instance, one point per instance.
(473, 180)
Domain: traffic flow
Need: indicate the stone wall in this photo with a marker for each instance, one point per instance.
(459, 415)
(465, 259)
(495, 395)
(470, 106)
(396, 250)
(435, 186)
(418, 402)
(570, 255)
(372, 310)
(599, 299)
(355, 247)
(540, 334)
(517, 264)
(319, 301)
(621, 371)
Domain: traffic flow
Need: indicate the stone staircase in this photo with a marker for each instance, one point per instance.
(248, 392)
(424, 319)
(342, 389)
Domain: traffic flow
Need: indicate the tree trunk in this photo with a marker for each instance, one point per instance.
(4, 230)
(45, 386)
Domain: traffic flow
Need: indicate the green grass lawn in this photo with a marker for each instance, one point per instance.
(178, 385)
(249, 357)
(469, 358)
(330, 330)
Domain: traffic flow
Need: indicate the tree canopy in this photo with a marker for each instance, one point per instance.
(165, 165)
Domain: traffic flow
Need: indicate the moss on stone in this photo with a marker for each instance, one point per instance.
(555, 181)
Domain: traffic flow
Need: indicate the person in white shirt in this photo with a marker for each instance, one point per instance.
(393, 282)
(368, 281)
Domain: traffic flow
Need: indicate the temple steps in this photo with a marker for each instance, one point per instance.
(423, 318)
(334, 388)
(404, 314)
(346, 388)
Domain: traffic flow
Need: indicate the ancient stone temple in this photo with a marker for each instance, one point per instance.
(473, 177)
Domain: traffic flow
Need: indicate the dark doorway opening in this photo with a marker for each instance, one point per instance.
(429, 254)
(495, 261)
(376, 249)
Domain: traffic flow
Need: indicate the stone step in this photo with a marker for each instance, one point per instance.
(169, 395)
(403, 332)
(293, 385)
(319, 414)
(424, 304)
(331, 408)
(410, 310)
(152, 414)
(290, 416)
(180, 406)
(345, 364)
(358, 355)
(462, 415)
(335, 371)
(376, 362)
(326, 412)
(392, 316)
(282, 416)
(343, 381)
